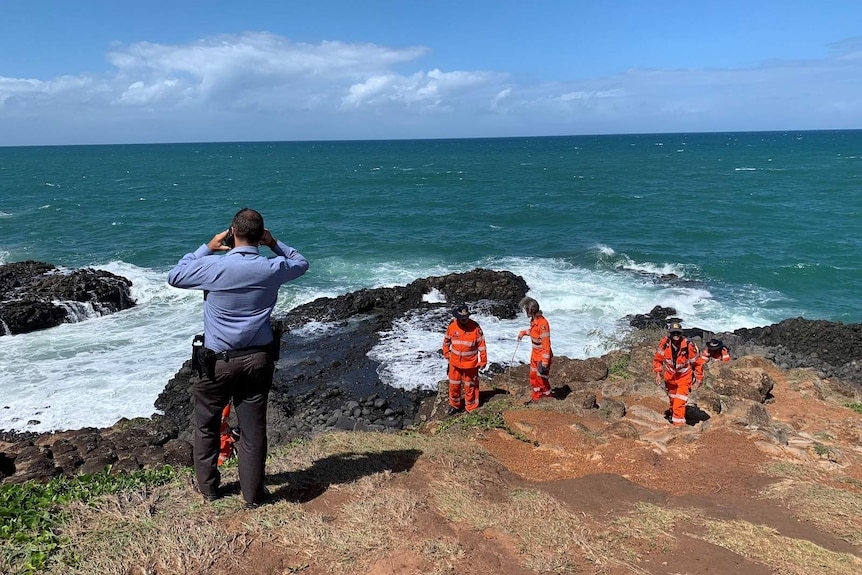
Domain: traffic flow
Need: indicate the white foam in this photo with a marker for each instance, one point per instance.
(585, 309)
(94, 372)
(434, 296)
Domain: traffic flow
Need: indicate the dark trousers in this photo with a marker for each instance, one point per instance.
(246, 380)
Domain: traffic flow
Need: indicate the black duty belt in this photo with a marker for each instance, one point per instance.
(242, 352)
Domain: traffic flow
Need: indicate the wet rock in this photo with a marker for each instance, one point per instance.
(37, 295)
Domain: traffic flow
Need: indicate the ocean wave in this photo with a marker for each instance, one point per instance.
(94, 372)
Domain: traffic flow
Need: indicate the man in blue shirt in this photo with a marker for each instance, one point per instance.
(240, 291)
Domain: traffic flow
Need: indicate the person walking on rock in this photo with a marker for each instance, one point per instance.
(541, 355)
(464, 348)
(678, 364)
(238, 357)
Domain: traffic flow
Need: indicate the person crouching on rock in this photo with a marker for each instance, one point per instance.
(464, 348)
(541, 354)
(677, 363)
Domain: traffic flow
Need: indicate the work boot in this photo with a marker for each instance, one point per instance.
(263, 501)
(452, 411)
(214, 496)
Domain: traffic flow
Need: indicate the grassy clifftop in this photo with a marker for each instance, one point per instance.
(554, 487)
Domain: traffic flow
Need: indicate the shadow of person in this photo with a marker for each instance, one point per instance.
(486, 395)
(306, 484)
(694, 415)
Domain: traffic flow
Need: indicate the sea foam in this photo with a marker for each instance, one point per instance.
(96, 371)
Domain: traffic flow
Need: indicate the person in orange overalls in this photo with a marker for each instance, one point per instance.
(464, 348)
(228, 437)
(679, 364)
(541, 355)
(715, 351)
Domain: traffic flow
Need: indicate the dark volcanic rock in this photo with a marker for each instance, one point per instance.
(329, 381)
(832, 342)
(29, 290)
(501, 290)
(833, 348)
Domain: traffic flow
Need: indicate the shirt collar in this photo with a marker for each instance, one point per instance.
(245, 250)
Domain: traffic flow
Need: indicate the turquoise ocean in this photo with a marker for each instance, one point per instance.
(759, 227)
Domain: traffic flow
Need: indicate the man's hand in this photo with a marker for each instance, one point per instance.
(521, 334)
(658, 378)
(542, 369)
(215, 244)
(268, 240)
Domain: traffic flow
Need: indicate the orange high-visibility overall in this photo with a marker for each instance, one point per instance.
(541, 354)
(717, 355)
(679, 367)
(227, 439)
(464, 348)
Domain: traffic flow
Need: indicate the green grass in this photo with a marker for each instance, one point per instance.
(857, 407)
(619, 366)
(483, 419)
(30, 521)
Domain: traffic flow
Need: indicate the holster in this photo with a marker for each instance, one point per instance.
(203, 359)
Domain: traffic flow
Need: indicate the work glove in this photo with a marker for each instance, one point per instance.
(542, 368)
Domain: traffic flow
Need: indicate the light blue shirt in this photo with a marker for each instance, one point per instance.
(242, 288)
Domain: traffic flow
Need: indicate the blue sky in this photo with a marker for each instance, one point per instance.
(107, 71)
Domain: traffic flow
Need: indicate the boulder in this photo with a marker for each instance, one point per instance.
(37, 295)
(739, 381)
(565, 371)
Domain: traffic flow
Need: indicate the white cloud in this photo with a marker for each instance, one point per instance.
(275, 88)
(431, 89)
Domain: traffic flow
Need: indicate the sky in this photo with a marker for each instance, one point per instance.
(109, 71)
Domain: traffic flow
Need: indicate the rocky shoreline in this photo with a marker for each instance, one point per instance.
(329, 382)
(38, 295)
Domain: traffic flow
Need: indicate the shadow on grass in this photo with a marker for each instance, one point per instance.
(304, 485)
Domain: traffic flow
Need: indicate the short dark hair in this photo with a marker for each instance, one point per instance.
(248, 225)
